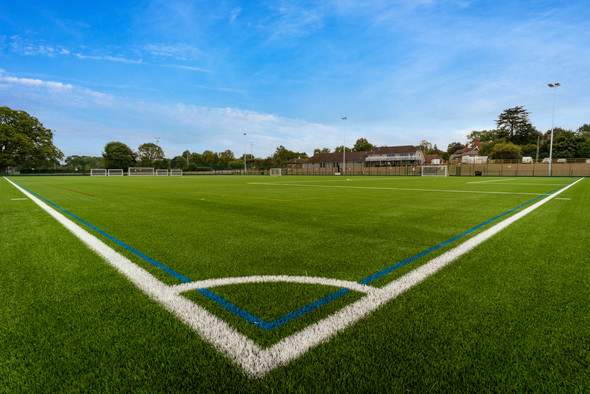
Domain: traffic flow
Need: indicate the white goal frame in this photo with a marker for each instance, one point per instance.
(140, 171)
(161, 172)
(98, 172)
(276, 172)
(435, 171)
(116, 172)
(175, 172)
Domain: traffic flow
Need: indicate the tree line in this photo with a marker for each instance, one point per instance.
(25, 143)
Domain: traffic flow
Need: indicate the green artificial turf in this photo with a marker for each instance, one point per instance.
(512, 315)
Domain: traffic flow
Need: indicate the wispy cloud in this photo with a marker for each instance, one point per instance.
(109, 58)
(179, 51)
(190, 68)
(52, 90)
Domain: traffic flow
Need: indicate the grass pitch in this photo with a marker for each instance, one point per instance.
(512, 314)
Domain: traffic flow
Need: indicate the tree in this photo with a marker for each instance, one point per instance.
(362, 145)
(340, 149)
(512, 122)
(75, 161)
(584, 130)
(567, 144)
(323, 150)
(454, 147)
(506, 150)
(482, 136)
(283, 155)
(425, 146)
(24, 141)
(178, 162)
(149, 153)
(226, 157)
(118, 155)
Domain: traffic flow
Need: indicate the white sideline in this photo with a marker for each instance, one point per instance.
(395, 188)
(254, 360)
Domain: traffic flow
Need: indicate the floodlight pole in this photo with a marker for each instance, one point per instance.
(244, 157)
(553, 86)
(251, 155)
(344, 148)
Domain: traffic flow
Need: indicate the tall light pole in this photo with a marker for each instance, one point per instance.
(244, 157)
(251, 155)
(553, 86)
(344, 148)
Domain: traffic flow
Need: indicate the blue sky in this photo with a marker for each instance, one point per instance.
(198, 74)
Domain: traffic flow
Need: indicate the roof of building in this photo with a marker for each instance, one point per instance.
(429, 158)
(383, 150)
(337, 156)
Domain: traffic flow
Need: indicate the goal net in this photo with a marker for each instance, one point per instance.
(276, 171)
(140, 171)
(98, 172)
(115, 172)
(175, 172)
(162, 172)
(435, 171)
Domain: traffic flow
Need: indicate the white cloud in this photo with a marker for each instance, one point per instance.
(38, 89)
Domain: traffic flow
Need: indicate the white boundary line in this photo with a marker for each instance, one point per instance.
(395, 188)
(254, 360)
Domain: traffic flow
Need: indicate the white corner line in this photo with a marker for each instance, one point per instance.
(310, 280)
(254, 360)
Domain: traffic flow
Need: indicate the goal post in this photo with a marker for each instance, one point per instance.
(175, 172)
(98, 172)
(133, 171)
(160, 172)
(435, 171)
(276, 171)
(115, 172)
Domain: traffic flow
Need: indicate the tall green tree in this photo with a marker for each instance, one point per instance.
(150, 153)
(514, 125)
(118, 155)
(362, 145)
(24, 141)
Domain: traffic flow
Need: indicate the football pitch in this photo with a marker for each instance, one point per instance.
(294, 283)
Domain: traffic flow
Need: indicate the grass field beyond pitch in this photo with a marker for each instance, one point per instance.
(528, 279)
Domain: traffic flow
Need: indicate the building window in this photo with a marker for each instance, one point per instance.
(322, 165)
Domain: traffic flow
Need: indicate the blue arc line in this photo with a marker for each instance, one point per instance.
(307, 308)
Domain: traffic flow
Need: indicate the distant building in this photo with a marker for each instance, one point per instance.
(296, 163)
(383, 156)
(466, 154)
(434, 160)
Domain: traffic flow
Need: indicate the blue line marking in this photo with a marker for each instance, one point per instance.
(267, 326)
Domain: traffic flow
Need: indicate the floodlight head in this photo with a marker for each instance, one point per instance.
(557, 84)
(344, 118)
(554, 85)
(550, 85)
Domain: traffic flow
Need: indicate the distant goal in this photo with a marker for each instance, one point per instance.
(160, 172)
(115, 172)
(175, 172)
(139, 171)
(435, 171)
(98, 172)
(276, 171)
